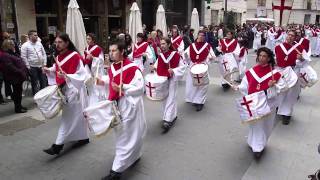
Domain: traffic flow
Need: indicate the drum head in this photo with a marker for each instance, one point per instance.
(199, 68)
(47, 91)
(154, 78)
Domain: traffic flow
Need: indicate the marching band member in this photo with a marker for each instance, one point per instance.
(198, 52)
(94, 61)
(261, 77)
(289, 54)
(313, 40)
(270, 43)
(171, 65)
(317, 50)
(304, 42)
(230, 49)
(177, 41)
(126, 87)
(257, 37)
(69, 75)
(141, 53)
(242, 60)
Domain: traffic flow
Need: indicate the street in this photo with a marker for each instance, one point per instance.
(206, 145)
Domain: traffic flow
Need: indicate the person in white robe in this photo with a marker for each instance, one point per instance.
(169, 64)
(69, 74)
(198, 52)
(126, 87)
(260, 130)
(257, 37)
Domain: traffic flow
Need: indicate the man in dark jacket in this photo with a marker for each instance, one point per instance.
(14, 71)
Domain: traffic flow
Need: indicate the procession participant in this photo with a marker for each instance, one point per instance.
(257, 38)
(260, 131)
(69, 75)
(126, 87)
(177, 41)
(230, 49)
(242, 60)
(171, 65)
(304, 42)
(289, 54)
(314, 41)
(271, 38)
(94, 62)
(196, 53)
(141, 53)
(317, 50)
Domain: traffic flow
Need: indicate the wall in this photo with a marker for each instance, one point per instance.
(26, 17)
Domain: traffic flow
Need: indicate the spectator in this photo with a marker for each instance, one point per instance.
(34, 56)
(6, 35)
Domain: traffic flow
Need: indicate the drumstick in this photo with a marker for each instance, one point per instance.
(210, 52)
(59, 67)
(120, 84)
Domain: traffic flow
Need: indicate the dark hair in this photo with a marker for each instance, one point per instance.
(291, 30)
(270, 54)
(65, 37)
(120, 45)
(201, 31)
(93, 36)
(140, 35)
(128, 39)
(31, 31)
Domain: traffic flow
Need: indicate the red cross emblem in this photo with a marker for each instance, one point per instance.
(303, 76)
(246, 103)
(281, 8)
(150, 88)
(224, 63)
(197, 77)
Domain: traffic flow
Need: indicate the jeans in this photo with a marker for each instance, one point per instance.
(36, 76)
(17, 95)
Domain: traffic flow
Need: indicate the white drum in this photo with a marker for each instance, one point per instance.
(289, 76)
(49, 101)
(199, 73)
(101, 117)
(157, 87)
(307, 76)
(253, 107)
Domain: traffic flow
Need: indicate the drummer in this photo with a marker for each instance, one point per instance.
(94, 60)
(142, 53)
(177, 41)
(289, 54)
(197, 52)
(171, 65)
(70, 78)
(128, 94)
(230, 49)
(260, 131)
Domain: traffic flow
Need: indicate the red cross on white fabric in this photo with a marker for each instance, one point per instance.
(198, 78)
(281, 8)
(246, 103)
(150, 88)
(303, 76)
(224, 63)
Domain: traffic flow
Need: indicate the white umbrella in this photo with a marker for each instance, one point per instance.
(161, 20)
(195, 22)
(75, 27)
(135, 23)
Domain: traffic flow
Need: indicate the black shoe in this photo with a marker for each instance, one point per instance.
(112, 176)
(20, 110)
(226, 86)
(81, 143)
(199, 107)
(166, 126)
(55, 149)
(24, 108)
(286, 120)
(257, 155)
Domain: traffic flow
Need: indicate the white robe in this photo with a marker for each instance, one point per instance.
(97, 93)
(243, 65)
(317, 49)
(271, 42)
(130, 132)
(195, 94)
(73, 126)
(139, 61)
(257, 40)
(169, 105)
(260, 131)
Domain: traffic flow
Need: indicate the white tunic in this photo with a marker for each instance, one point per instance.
(260, 131)
(257, 40)
(195, 94)
(139, 61)
(130, 132)
(271, 42)
(169, 105)
(317, 49)
(73, 126)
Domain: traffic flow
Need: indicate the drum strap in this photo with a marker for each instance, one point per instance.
(263, 78)
(125, 67)
(202, 48)
(61, 63)
(286, 52)
(89, 51)
(167, 60)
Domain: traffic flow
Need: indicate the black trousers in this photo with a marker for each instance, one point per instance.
(17, 95)
(36, 76)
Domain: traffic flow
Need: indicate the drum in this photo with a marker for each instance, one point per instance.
(199, 73)
(102, 116)
(253, 107)
(307, 76)
(289, 76)
(157, 87)
(49, 101)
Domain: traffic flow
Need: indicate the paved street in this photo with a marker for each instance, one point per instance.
(206, 145)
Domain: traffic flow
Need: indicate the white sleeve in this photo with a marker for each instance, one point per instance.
(243, 86)
(186, 55)
(181, 47)
(24, 54)
(44, 54)
(178, 72)
(136, 86)
(150, 57)
(237, 50)
(77, 79)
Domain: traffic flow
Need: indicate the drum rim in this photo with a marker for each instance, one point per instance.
(54, 87)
